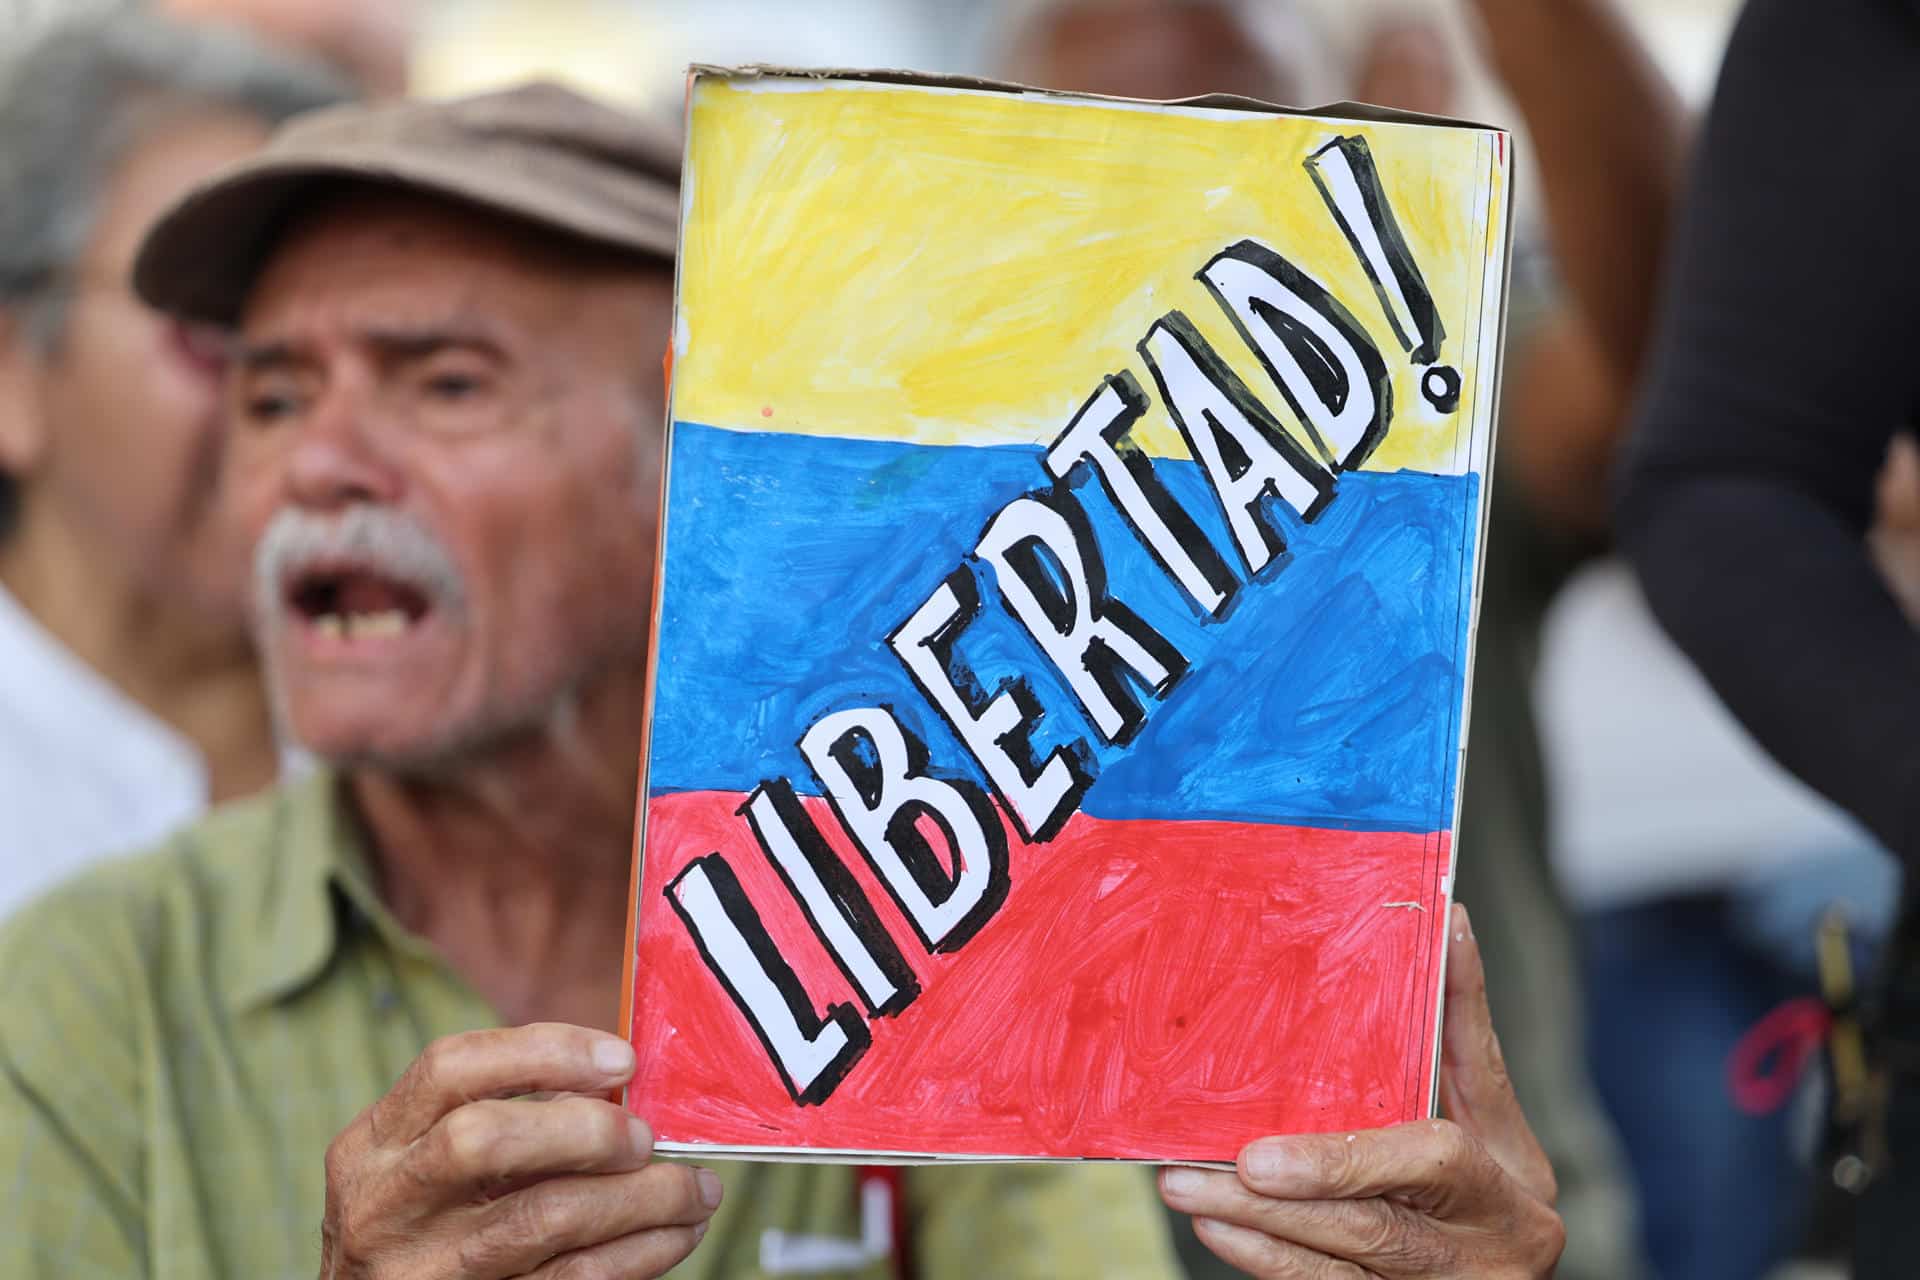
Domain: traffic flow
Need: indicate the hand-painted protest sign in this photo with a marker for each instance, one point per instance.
(1067, 577)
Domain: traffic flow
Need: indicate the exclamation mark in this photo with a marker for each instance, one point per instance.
(1348, 181)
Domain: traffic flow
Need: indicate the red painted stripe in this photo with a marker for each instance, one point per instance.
(1150, 990)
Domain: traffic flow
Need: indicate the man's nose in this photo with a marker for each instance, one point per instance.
(340, 457)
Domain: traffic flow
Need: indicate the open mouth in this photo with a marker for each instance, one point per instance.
(355, 603)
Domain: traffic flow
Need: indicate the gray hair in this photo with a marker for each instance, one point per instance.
(77, 93)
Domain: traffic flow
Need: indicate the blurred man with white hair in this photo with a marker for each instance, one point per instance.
(129, 695)
(1607, 133)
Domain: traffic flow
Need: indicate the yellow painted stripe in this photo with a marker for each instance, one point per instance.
(947, 268)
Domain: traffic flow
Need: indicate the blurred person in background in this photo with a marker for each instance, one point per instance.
(366, 40)
(1783, 374)
(1167, 48)
(1719, 899)
(1702, 876)
(129, 694)
(447, 456)
(1608, 134)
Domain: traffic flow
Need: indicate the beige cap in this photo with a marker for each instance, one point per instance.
(538, 152)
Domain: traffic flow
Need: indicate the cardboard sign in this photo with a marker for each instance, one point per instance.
(1068, 570)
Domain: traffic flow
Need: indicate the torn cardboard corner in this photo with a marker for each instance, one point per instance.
(1356, 111)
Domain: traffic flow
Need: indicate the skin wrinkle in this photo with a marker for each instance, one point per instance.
(566, 736)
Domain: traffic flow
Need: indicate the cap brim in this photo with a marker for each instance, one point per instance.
(199, 261)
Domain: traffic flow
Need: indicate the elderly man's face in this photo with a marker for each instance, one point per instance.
(446, 444)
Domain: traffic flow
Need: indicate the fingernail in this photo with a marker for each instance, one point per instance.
(615, 1057)
(1182, 1183)
(1272, 1163)
(700, 1231)
(1225, 1233)
(640, 1136)
(710, 1188)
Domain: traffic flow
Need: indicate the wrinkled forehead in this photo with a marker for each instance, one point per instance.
(358, 249)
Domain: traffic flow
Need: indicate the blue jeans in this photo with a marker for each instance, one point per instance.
(1672, 985)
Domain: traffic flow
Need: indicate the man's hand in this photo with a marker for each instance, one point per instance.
(1471, 1197)
(449, 1178)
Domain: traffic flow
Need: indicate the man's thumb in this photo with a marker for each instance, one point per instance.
(1475, 1091)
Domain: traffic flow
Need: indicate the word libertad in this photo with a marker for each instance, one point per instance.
(935, 840)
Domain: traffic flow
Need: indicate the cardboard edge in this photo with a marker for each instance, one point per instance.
(1511, 163)
(1366, 113)
(853, 1155)
(1360, 112)
(630, 960)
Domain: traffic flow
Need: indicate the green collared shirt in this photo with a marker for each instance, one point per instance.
(182, 1034)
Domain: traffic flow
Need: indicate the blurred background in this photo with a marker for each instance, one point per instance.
(638, 50)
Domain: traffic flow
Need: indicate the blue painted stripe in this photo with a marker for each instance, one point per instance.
(1329, 695)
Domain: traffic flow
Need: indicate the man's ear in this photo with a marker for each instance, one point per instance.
(23, 426)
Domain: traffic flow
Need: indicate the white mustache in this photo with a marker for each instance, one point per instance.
(376, 539)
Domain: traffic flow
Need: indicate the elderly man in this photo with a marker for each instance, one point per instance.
(446, 452)
(129, 694)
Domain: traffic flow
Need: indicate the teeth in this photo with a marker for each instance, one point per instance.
(362, 626)
(388, 622)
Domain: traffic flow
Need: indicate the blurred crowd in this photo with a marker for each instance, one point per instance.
(1688, 909)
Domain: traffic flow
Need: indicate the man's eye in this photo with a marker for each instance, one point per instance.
(267, 408)
(453, 386)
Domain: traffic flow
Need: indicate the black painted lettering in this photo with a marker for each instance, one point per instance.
(1102, 648)
(997, 730)
(1310, 345)
(811, 1053)
(876, 779)
(1247, 455)
(1097, 435)
(831, 899)
(1350, 184)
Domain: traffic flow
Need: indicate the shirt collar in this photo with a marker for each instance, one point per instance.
(320, 886)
